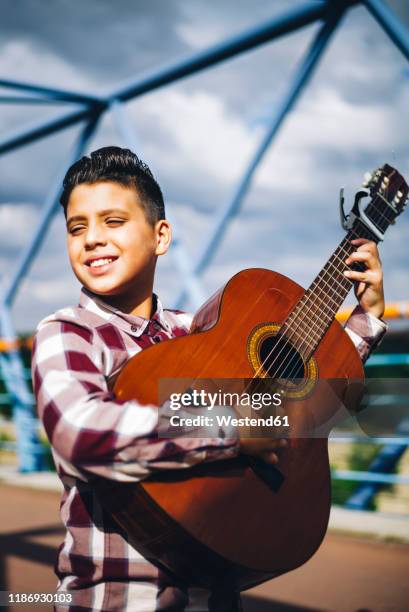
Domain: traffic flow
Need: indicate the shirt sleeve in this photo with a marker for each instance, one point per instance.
(365, 331)
(93, 433)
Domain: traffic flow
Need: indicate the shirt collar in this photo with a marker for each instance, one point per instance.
(132, 324)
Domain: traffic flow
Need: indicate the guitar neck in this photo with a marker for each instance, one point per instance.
(313, 314)
(308, 322)
(310, 319)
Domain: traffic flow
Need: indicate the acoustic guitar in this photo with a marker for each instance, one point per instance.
(240, 521)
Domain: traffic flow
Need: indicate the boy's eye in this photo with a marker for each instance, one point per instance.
(75, 229)
(115, 221)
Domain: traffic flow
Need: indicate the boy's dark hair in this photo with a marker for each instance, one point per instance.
(120, 166)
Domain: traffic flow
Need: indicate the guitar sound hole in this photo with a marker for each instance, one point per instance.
(280, 359)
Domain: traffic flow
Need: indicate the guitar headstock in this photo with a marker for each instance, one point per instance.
(387, 185)
(388, 191)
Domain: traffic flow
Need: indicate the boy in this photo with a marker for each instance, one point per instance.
(116, 230)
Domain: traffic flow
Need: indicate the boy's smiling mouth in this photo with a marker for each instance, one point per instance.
(99, 264)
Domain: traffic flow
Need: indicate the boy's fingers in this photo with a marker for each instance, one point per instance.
(370, 244)
(367, 245)
(364, 256)
(369, 276)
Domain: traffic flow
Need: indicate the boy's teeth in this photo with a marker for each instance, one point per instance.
(99, 262)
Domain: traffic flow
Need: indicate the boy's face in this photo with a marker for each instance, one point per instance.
(111, 245)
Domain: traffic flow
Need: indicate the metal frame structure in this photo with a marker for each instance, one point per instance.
(88, 113)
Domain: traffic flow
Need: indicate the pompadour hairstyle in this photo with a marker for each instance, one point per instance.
(120, 166)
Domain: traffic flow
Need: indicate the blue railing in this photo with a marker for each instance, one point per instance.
(369, 482)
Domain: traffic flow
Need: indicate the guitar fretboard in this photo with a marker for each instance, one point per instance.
(309, 321)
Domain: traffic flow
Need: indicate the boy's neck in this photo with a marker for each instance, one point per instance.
(140, 306)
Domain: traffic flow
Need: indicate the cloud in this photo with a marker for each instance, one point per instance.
(199, 134)
(199, 127)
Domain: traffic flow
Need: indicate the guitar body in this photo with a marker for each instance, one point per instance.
(220, 522)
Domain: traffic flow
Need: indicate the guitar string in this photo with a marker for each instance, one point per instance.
(301, 317)
(349, 283)
(302, 313)
(346, 287)
(341, 248)
(329, 264)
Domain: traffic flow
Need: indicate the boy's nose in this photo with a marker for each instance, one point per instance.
(94, 236)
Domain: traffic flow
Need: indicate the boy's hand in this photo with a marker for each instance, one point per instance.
(262, 448)
(369, 286)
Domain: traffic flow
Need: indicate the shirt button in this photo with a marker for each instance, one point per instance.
(156, 339)
(134, 328)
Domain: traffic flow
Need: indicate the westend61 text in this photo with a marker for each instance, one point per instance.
(204, 399)
(229, 421)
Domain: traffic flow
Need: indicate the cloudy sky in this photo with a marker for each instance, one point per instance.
(199, 134)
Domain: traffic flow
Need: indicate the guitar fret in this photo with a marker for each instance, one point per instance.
(339, 283)
(312, 319)
(317, 308)
(320, 284)
(318, 303)
(327, 296)
(309, 322)
(301, 342)
(309, 329)
(314, 300)
(323, 295)
(302, 332)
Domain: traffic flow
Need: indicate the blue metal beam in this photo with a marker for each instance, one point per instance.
(29, 100)
(47, 214)
(374, 477)
(302, 76)
(278, 26)
(392, 25)
(51, 92)
(390, 359)
(123, 125)
(249, 39)
(384, 463)
(45, 128)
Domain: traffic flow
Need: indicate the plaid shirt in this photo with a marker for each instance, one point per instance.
(76, 353)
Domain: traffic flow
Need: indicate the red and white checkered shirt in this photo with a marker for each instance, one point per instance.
(76, 353)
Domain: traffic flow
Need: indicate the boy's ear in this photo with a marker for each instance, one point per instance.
(163, 233)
